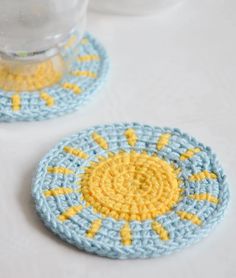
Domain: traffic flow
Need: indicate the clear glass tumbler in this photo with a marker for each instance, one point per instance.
(35, 36)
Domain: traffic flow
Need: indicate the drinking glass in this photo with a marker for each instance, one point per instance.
(37, 39)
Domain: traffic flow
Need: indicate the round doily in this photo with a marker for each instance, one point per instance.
(130, 190)
(88, 72)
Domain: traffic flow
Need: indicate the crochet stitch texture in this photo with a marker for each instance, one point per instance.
(130, 190)
(87, 75)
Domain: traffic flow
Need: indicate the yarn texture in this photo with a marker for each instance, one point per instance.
(85, 78)
(130, 190)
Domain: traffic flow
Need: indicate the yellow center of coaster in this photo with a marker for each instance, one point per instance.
(131, 186)
(18, 77)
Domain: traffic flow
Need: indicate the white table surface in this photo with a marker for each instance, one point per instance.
(176, 69)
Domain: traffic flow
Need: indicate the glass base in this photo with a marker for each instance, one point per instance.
(19, 77)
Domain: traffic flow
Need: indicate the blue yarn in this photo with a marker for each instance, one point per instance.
(33, 108)
(145, 242)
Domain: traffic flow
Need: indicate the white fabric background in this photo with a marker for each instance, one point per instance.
(176, 69)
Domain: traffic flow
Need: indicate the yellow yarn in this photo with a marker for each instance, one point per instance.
(84, 41)
(88, 58)
(16, 102)
(70, 41)
(189, 153)
(100, 140)
(204, 197)
(28, 77)
(70, 212)
(202, 176)
(131, 136)
(125, 234)
(57, 191)
(163, 141)
(95, 226)
(73, 87)
(190, 217)
(160, 230)
(76, 152)
(84, 73)
(47, 98)
(136, 187)
(60, 170)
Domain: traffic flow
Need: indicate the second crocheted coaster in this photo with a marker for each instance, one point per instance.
(130, 190)
(87, 75)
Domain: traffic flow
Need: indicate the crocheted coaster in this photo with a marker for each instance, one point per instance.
(88, 73)
(130, 190)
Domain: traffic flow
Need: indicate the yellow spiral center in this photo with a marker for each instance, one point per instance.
(130, 186)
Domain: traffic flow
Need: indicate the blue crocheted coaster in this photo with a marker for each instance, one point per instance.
(88, 73)
(130, 190)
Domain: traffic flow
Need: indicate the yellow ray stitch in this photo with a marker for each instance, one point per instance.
(202, 176)
(131, 136)
(189, 153)
(160, 230)
(204, 197)
(70, 212)
(70, 86)
(100, 140)
(76, 152)
(95, 226)
(70, 41)
(190, 217)
(60, 170)
(84, 41)
(84, 73)
(88, 58)
(57, 191)
(163, 141)
(16, 102)
(49, 100)
(125, 234)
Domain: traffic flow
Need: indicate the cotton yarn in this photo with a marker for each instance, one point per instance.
(87, 75)
(130, 190)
